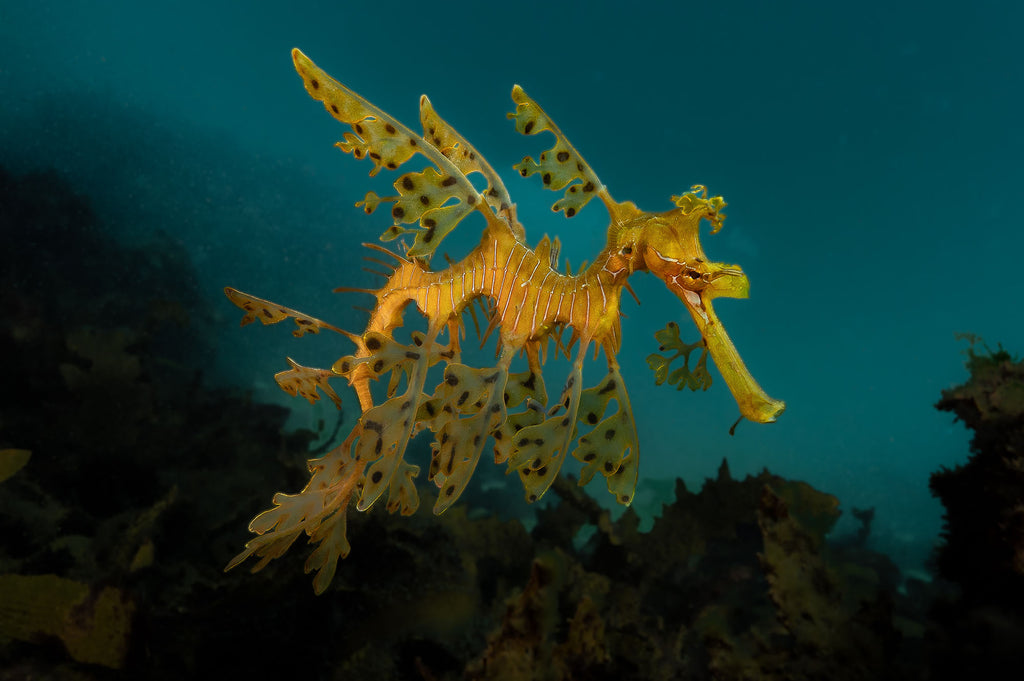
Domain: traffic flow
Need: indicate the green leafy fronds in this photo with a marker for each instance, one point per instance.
(559, 165)
(388, 144)
(682, 377)
(697, 200)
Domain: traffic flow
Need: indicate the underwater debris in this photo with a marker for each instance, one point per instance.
(527, 301)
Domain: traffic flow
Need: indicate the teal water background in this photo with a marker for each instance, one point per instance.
(871, 154)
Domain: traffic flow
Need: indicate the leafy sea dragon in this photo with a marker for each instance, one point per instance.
(526, 300)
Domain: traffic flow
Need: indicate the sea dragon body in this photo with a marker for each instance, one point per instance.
(528, 303)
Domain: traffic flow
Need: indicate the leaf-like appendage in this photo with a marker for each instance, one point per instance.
(449, 142)
(559, 165)
(604, 449)
(304, 381)
(319, 511)
(697, 378)
(697, 200)
(272, 313)
(389, 144)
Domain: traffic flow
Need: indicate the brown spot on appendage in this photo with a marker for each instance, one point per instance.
(377, 475)
(430, 408)
(609, 434)
(450, 491)
(374, 426)
(609, 466)
(527, 128)
(408, 183)
(315, 83)
(570, 211)
(462, 398)
(607, 388)
(497, 435)
(444, 437)
(372, 343)
(451, 379)
(565, 421)
(390, 128)
(428, 236)
(476, 440)
(447, 409)
(392, 165)
(588, 187)
(589, 456)
(406, 405)
(334, 108)
(471, 199)
(398, 212)
(377, 448)
(523, 442)
(546, 178)
(591, 418)
(562, 156)
(424, 199)
(412, 355)
(538, 441)
(448, 181)
(412, 142)
(378, 366)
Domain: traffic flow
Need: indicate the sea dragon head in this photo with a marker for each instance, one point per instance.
(668, 245)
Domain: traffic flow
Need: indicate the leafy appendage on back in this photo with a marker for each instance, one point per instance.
(435, 199)
(559, 165)
(466, 158)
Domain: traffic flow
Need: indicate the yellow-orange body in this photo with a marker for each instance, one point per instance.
(527, 302)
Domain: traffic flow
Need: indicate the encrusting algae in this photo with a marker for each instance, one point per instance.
(526, 300)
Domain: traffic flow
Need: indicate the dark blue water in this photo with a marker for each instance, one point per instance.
(870, 153)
